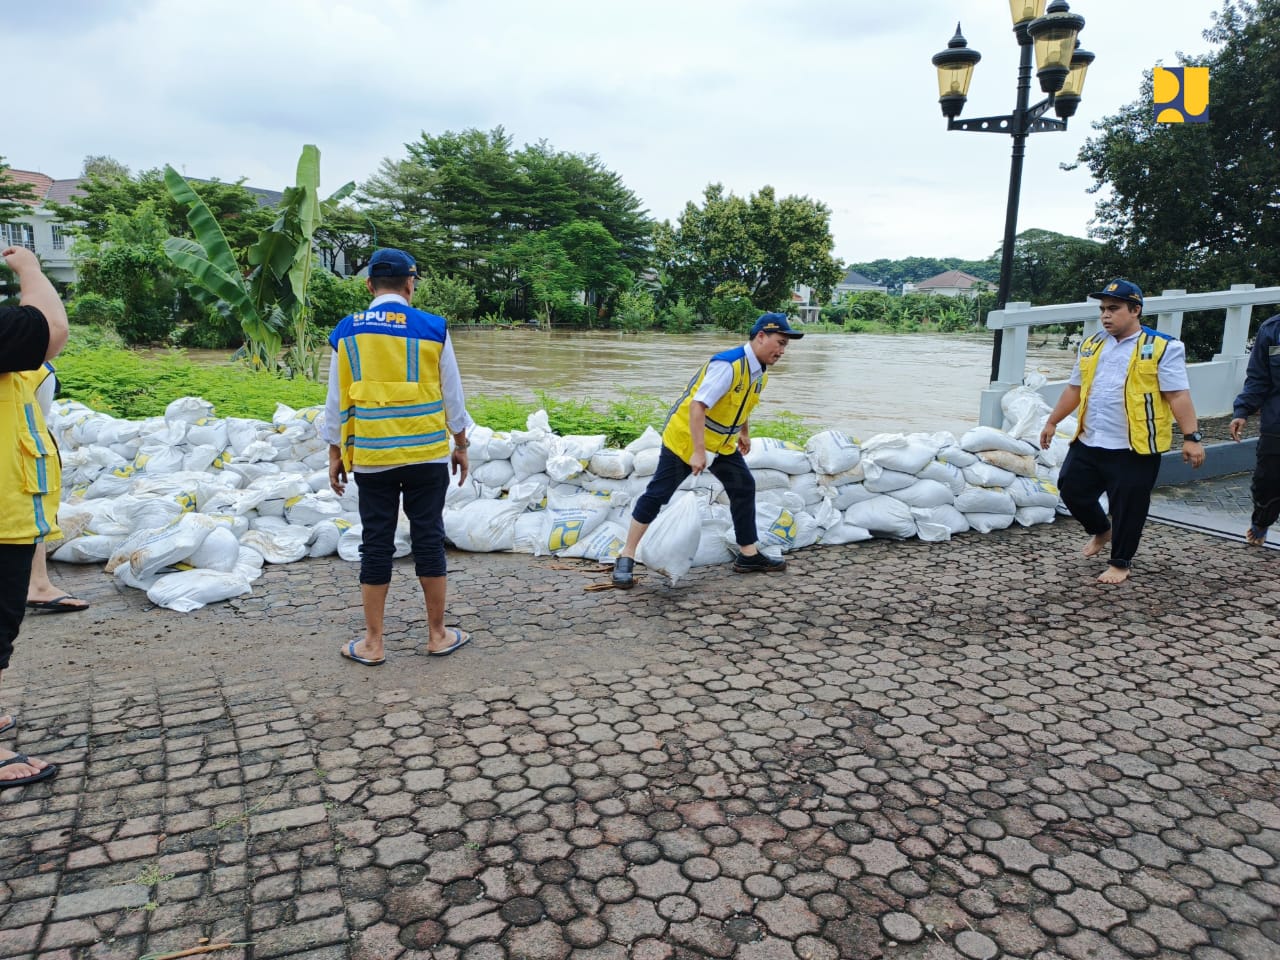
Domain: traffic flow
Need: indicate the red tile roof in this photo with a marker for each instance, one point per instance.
(40, 184)
(952, 278)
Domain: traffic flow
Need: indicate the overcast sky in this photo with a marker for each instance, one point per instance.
(833, 99)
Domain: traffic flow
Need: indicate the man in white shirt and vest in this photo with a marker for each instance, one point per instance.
(394, 397)
(712, 418)
(1129, 384)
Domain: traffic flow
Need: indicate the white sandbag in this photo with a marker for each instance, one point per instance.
(767, 479)
(777, 527)
(841, 533)
(645, 463)
(985, 500)
(124, 573)
(784, 498)
(83, 465)
(538, 421)
(932, 532)
(483, 526)
(150, 512)
(612, 464)
(239, 526)
(91, 548)
(154, 459)
(260, 451)
(279, 491)
(924, 493)
(989, 438)
(281, 545)
(459, 494)
(1059, 446)
(947, 515)
(1033, 492)
(899, 452)
(188, 410)
(602, 544)
(1019, 464)
(851, 493)
(208, 431)
(1030, 516)
(982, 474)
(805, 485)
(494, 473)
(989, 522)
(532, 491)
(192, 589)
(767, 453)
(249, 564)
(530, 457)
(499, 446)
(324, 536)
(527, 531)
(880, 480)
(579, 446)
(671, 542)
(715, 537)
(220, 551)
(561, 467)
(1025, 412)
(651, 439)
(241, 433)
(832, 452)
(948, 474)
(565, 527)
(257, 470)
(884, 517)
(168, 545)
(952, 454)
(309, 509)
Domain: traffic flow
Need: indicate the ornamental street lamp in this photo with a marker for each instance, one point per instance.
(1061, 68)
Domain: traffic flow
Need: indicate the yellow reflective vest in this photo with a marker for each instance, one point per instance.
(1148, 412)
(30, 470)
(724, 419)
(390, 399)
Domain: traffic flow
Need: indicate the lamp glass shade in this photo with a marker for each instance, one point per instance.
(954, 79)
(1054, 48)
(1024, 11)
(1074, 85)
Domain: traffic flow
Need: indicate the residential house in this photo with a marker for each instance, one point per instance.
(803, 301)
(854, 282)
(38, 229)
(953, 283)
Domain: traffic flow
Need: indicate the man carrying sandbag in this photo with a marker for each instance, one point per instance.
(1130, 384)
(394, 397)
(711, 417)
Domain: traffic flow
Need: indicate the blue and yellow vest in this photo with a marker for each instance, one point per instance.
(30, 471)
(1149, 414)
(392, 407)
(725, 418)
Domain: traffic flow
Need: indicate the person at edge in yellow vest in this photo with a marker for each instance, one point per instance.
(1129, 384)
(712, 418)
(30, 473)
(394, 397)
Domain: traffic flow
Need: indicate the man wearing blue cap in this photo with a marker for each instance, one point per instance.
(394, 397)
(712, 418)
(1261, 394)
(1129, 384)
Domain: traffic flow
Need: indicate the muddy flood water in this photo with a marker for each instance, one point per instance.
(860, 383)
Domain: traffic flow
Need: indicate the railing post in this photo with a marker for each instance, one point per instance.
(1090, 328)
(1013, 352)
(1171, 323)
(1235, 332)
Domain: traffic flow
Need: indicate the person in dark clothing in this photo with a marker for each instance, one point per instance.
(1261, 394)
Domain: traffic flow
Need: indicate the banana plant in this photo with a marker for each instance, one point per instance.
(273, 298)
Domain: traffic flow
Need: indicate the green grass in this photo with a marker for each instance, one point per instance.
(131, 386)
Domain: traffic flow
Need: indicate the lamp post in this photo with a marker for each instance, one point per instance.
(1061, 68)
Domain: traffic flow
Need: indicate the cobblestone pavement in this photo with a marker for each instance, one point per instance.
(898, 750)
(1221, 506)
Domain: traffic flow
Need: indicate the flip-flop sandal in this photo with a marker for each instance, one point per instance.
(57, 605)
(36, 777)
(349, 651)
(6, 727)
(460, 640)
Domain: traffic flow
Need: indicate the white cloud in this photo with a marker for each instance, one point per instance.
(833, 99)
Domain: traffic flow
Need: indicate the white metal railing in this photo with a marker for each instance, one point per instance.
(1214, 383)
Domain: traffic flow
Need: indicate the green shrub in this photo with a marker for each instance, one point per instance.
(211, 330)
(635, 311)
(731, 307)
(453, 299)
(680, 317)
(333, 297)
(96, 309)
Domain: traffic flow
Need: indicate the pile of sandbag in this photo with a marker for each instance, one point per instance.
(189, 506)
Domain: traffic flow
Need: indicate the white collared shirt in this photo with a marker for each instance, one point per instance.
(719, 378)
(1106, 424)
(455, 407)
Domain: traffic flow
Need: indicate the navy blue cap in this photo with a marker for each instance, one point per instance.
(1121, 289)
(389, 262)
(774, 323)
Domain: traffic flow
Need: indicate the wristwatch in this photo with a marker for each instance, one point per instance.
(1195, 436)
(461, 444)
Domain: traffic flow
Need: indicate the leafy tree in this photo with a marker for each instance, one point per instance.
(15, 197)
(546, 271)
(760, 244)
(635, 311)
(731, 307)
(447, 297)
(1053, 267)
(680, 317)
(102, 165)
(333, 297)
(1197, 206)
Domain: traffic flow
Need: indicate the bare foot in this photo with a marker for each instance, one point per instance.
(1114, 575)
(1095, 544)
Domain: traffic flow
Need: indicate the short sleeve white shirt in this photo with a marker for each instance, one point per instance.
(1106, 424)
(719, 378)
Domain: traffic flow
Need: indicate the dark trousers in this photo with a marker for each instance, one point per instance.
(1126, 478)
(1266, 483)
(729, 468)
(423, 486)
(15, 575)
